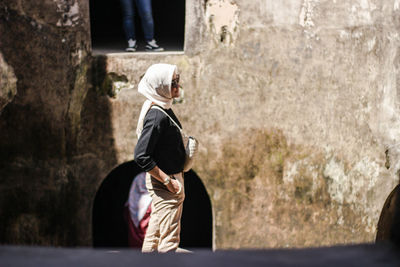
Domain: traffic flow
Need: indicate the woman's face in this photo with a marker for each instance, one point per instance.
(175, 86)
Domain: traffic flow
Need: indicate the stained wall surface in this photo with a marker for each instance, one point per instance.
(45, 189)
(295, 104)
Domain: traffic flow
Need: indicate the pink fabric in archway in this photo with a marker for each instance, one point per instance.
(136, 234)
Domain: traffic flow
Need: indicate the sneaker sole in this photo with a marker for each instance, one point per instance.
(130, 50)
(155, 50)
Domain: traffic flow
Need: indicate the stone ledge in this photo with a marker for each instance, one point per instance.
(132, 55)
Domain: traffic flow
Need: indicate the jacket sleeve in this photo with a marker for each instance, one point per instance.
(144, 150)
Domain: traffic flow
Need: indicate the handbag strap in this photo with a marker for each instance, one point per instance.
(157, 107)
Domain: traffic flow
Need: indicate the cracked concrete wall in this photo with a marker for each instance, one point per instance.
(295, 105)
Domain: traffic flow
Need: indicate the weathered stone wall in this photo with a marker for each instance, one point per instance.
(45, 192)
(295, 105)
(8, 84)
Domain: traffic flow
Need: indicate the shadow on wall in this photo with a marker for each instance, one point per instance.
(55, 137)
(110, 228)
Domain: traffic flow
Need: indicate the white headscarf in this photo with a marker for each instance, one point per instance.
(156, 87)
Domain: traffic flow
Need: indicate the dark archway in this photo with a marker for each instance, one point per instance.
(108, 36)
(196, 221)
(389, 220)
(110, 229)
(108, 224)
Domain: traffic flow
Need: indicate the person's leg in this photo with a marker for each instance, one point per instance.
(170, 229)
(170, 221)
(146, 16)
(128, 19)
(150, 242)
(164, 227)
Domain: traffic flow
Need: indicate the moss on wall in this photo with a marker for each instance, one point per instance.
(268, 193)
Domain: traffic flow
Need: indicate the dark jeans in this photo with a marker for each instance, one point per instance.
(145, 12)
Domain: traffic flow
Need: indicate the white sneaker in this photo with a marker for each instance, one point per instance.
(131, 46)
(152, 46)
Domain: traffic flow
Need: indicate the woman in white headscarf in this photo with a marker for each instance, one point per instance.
(161, 153)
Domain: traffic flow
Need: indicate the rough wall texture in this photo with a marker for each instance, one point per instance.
(8, 83)
(295, 104)
(44, 189)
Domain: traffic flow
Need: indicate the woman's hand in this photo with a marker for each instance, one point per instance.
(174, 186)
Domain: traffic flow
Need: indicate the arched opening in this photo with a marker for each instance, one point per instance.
(110, 228)
(389, 220)
(197, 216)
(108, 35)
(108, 224)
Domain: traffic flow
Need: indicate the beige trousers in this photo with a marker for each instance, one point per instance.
(164, 228)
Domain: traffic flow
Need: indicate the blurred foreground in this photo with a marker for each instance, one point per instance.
(356, 255)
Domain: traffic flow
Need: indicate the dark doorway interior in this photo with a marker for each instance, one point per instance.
(196, 221)
(109, 226)
(108, 35)
(388, 229)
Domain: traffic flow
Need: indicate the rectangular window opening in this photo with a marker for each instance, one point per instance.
(111, 25)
